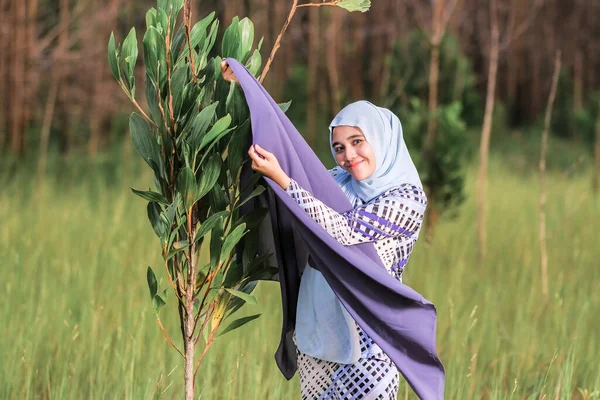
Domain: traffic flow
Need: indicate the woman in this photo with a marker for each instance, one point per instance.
(376, 173)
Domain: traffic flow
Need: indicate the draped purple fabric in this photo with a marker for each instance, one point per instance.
(396, 317)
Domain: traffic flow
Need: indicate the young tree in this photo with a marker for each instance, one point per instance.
(512, 31)
(194, 138)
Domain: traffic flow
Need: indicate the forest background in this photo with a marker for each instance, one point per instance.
(75, 243)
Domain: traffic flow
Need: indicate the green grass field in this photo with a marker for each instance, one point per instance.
(77, 321)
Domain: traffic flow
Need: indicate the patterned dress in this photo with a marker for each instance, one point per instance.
(392, 221)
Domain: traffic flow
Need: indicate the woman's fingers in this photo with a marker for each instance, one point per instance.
(267, 155)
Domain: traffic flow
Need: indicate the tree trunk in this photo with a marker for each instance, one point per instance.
(189, 313)
(332, 59)
(4, 57)
(578, 81)
(17, 93)
(484, 147)
(434, 71)
(313, 71)
(547, 119)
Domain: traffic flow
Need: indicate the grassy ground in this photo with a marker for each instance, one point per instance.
(77, 321)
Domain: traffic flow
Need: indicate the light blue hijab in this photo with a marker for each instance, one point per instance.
(383, 132)
(324, 329)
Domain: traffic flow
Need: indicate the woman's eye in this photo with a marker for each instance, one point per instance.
(357, 141)
(337, 149)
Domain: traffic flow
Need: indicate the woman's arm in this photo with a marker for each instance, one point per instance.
(399, 213)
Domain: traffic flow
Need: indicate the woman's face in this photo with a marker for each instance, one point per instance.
(352, 151)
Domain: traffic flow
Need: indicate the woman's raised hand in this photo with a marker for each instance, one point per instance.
(266, 163)
(227, 73)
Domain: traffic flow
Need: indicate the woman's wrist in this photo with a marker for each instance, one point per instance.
(282, 180)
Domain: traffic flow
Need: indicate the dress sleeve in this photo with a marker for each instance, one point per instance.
(398, 212)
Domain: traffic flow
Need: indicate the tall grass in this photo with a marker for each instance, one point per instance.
(77, 321)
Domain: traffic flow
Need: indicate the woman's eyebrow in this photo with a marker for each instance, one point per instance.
(349, 138)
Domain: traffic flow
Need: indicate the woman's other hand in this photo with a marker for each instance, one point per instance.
(266, 163)
(227, 73)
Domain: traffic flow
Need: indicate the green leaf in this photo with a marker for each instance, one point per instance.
(145, 141)
(231, 40)
(254, 63)
(198, 34)
(355, 5)
(186, 185)
(246, 297)
(257, 191)
(178, 84)
(210, 174)
(152, 100)
(256, 264)
(152, 283)
(212, 37)
(151, 196)
(236, 303)
(129, 53)
(112, 57)
(246, 28)
(215, 142)
(210, 223)
(234, 274)
(216, 131)
(182, 244)
(238, 147)
(158, 303)
(263, 274)
(253, 218)
(150, 17)
(200, 125)
(216, 241)
(285, 106)
(239, 322)
(231, 241)
(218, 199)
(158, 225)
(154, 50)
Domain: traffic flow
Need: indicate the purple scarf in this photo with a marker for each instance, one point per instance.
(395, 316)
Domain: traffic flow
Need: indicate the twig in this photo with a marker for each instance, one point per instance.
(278, 41)
(168, 44)
(187, 18)
(167, 336)
(547, 120)
(331, 3)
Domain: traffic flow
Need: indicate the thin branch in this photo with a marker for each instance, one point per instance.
(512, 35)
(447, 16)
(331, 3)
(187, 18)
(278, 42)
(162, 328)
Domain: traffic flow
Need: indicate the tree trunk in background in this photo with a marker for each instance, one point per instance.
(332, 55)
(314, 59)
(434, 71)
(17, 75)
(547, 120)
(356, 30)
(4, 56)
(578, 80)
(484, 147)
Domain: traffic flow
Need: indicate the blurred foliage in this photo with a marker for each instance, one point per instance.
(445, 178)
(409, 63)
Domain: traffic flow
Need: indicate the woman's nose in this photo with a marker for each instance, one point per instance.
(350, 154)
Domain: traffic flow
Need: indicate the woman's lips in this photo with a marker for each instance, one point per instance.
(355, 164)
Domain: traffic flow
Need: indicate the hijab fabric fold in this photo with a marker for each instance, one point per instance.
(395, 316)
